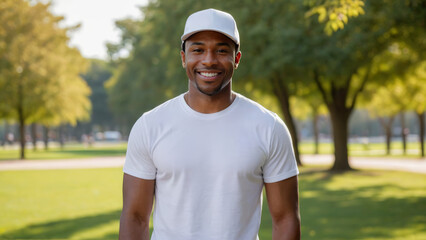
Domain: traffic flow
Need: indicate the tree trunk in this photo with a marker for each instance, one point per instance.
(21, 132)
(21, 119)
(46, 137)
(388, 132)
(61, 136)
(7, 134)
(34, 135)
(421, 117)
(340, 122)
(403, 133)
(340, 112)
(316, 133)
(281, 92)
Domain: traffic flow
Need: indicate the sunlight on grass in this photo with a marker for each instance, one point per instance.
(362, 205)
(68, 152)
(58, 203)
(77, 151)
(86, 204)
(365, 150)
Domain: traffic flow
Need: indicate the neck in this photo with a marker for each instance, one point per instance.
(209, 104)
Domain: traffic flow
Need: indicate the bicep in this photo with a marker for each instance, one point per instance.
(138, 196)
(283, 198)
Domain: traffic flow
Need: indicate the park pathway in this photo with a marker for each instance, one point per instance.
(97, 162)
(408, 164)
(417, 165)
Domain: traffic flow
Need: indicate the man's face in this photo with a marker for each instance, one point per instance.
(209, 59)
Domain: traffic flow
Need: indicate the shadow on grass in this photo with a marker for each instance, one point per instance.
(360, 213)
(65, 228)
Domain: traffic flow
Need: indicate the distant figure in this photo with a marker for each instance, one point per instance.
(85, 140)
(206, 154)
(90, 140)
(10, 138)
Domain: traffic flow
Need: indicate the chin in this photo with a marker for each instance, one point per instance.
(211, 92)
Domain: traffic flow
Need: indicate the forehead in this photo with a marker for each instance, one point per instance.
(210, 37)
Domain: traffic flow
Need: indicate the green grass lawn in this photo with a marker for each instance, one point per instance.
(119, 149)
(68, 152)
(85, 204)
(60, 204)
(365, 150)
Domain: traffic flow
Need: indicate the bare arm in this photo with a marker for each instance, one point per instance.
(138, 196)
(283, 202)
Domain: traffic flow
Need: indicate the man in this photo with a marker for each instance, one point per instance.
(206, 154)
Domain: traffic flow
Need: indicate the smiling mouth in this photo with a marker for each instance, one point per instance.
(208, 74)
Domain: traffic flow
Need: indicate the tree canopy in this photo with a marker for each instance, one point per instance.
(39, 72)
(286, 50)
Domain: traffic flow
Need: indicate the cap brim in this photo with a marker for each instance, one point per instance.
(188, 35)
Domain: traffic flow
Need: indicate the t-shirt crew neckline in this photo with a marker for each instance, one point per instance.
(207, 116)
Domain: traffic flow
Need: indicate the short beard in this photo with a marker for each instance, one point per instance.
(215, 91)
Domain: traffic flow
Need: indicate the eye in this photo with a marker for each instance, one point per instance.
(197, 50)
(222, 51)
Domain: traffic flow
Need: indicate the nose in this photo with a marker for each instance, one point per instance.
(210, 59)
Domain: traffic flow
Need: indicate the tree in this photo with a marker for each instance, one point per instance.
(96, 76)
(383, 107)
(416, 81)
(152, 72)
(283, 50)
(306, 105)
(344, 76)
(38, 71)
(271, 34)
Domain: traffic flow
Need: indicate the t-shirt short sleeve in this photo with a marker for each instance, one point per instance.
(281, 162)
(138, 161)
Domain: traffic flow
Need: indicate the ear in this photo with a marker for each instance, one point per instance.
(182, 56)
(237, 59)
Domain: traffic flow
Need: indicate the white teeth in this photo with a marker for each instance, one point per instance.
(205, 74)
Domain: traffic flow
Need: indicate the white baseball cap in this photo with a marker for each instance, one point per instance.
(211, 20)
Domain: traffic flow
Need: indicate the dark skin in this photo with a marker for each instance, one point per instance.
(213, 53)
(138, 197)
(210, 59)
(283, 203)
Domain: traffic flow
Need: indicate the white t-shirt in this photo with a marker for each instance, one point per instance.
(209, 168)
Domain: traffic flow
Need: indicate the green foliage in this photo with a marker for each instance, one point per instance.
(285, 53)
(334, 14)
(39, 72)
(96, 76)
(39, 79)
(416, 82)
(307, 103)
(405, 92)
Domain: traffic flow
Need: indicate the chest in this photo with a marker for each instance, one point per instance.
(205, 149)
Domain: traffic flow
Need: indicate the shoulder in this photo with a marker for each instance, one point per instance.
(158, 116)
(256, 112)
(162, 111)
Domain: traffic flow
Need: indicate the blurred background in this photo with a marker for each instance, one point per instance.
(347, 76)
